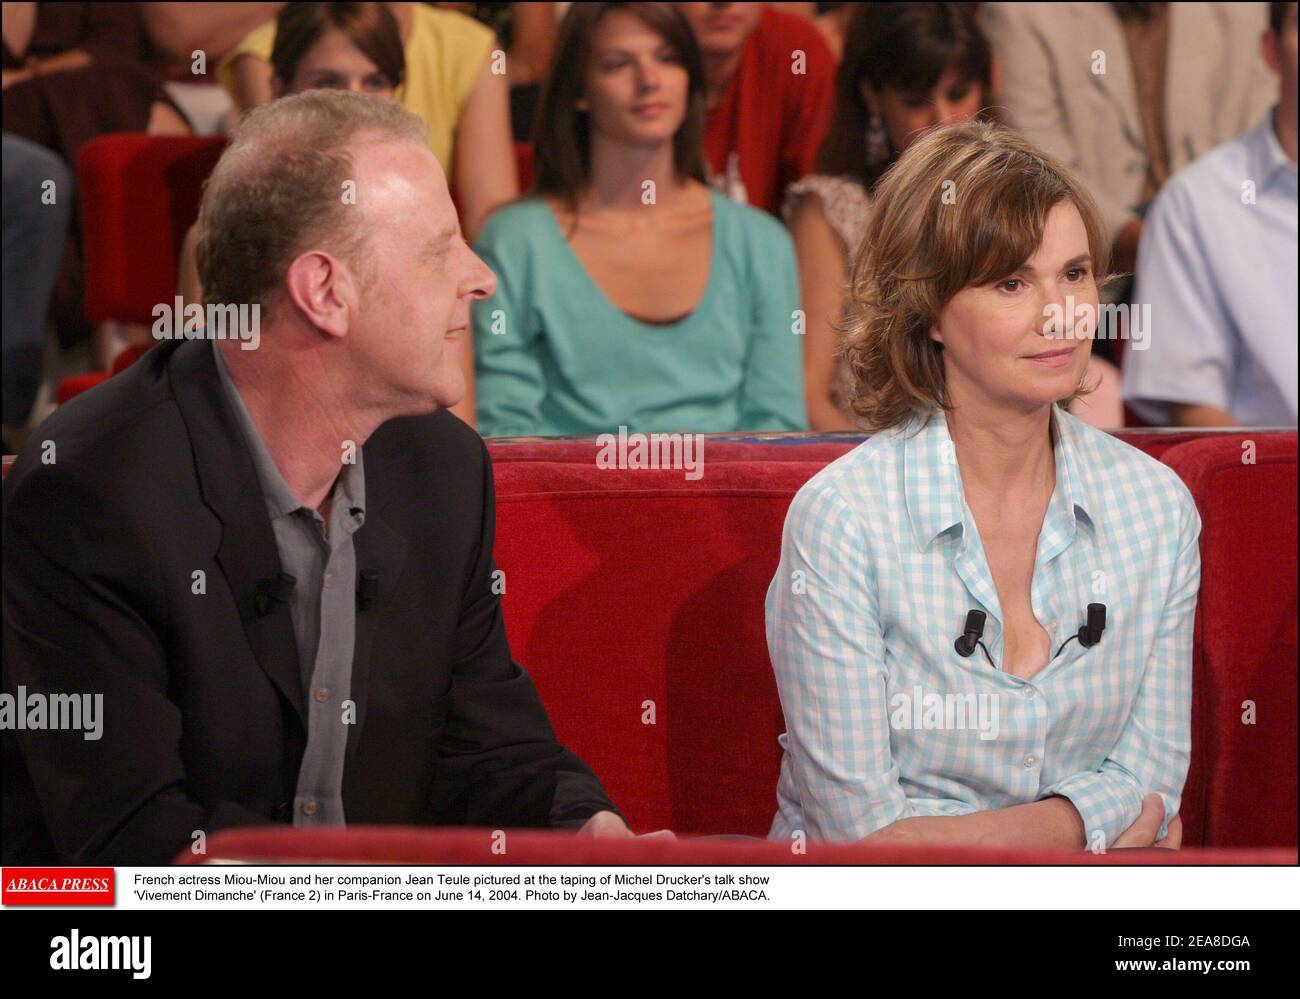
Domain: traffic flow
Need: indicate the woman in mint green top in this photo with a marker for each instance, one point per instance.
(654, 346)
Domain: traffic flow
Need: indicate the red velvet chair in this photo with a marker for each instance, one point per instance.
(1241, 787)
(139, 194)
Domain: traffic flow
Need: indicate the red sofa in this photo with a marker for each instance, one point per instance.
(627, 589)
(630, 591)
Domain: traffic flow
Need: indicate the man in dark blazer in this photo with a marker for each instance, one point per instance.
(275, 564)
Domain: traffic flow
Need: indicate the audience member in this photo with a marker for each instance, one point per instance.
(38, 199)
(906, 68)
(629, 293)
(1217, 266)
(769, 84)
(454, 81)
(74, 71)
(1127, 93)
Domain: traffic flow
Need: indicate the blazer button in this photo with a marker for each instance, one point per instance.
(283, 812)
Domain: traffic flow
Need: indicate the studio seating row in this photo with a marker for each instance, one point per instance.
(634, 597)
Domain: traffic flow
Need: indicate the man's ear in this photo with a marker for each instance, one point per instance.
(1268, 47)
(325, 290)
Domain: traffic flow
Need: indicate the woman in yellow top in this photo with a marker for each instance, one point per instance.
(455, 80)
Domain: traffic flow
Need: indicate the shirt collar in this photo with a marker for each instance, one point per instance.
(1267, 160)
(932, 489)
(349, 490)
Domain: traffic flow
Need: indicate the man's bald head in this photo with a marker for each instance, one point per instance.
(282, 188)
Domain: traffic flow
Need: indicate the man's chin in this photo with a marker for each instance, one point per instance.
(449, 391)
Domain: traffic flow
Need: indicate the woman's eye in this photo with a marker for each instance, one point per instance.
(916, 103)
(1011, 284)
(958, 95)
(669, 57)
(1076, 273)
(378, 83)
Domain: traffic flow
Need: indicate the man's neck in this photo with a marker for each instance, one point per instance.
(308, 431)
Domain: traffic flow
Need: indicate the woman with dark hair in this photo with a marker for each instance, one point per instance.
(629, 294)
(907, 67)
(455, 79)
(340, 46)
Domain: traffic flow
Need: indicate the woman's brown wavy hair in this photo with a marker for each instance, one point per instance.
(964, 206)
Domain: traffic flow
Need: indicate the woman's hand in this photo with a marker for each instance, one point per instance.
(1143, 832)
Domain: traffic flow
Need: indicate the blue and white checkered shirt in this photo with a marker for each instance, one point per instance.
(880, 562)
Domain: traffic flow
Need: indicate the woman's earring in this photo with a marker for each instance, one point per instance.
(877, 141)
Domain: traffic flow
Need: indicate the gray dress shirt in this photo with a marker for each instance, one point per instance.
(323, 608)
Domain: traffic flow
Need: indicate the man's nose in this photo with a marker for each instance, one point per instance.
(480, 282)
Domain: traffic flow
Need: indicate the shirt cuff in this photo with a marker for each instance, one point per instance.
(1107, 804)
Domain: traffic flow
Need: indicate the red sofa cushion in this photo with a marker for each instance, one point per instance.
(1241, 787)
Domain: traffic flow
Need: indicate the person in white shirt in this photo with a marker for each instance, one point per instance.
(1217, 266)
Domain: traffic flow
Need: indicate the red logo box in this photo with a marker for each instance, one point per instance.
(57, 886)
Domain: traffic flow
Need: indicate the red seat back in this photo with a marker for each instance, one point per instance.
(1241, 788)
(139, 194)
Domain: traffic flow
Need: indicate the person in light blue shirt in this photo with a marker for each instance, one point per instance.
(1045, 725)
(1217, 266)
(629, 294)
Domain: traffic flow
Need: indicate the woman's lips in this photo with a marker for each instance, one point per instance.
(1053, 358)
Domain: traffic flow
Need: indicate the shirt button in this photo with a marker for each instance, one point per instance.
(329, 579)
(1030, 760)
(322, 694)
(309, 807)
(1028, 690)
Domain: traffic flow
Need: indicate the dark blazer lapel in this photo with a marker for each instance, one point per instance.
(379, 547)
(248, 552)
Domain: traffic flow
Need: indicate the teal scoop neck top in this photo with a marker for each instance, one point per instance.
(553, 355)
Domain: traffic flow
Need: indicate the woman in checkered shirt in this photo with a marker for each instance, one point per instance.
(970, 317)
